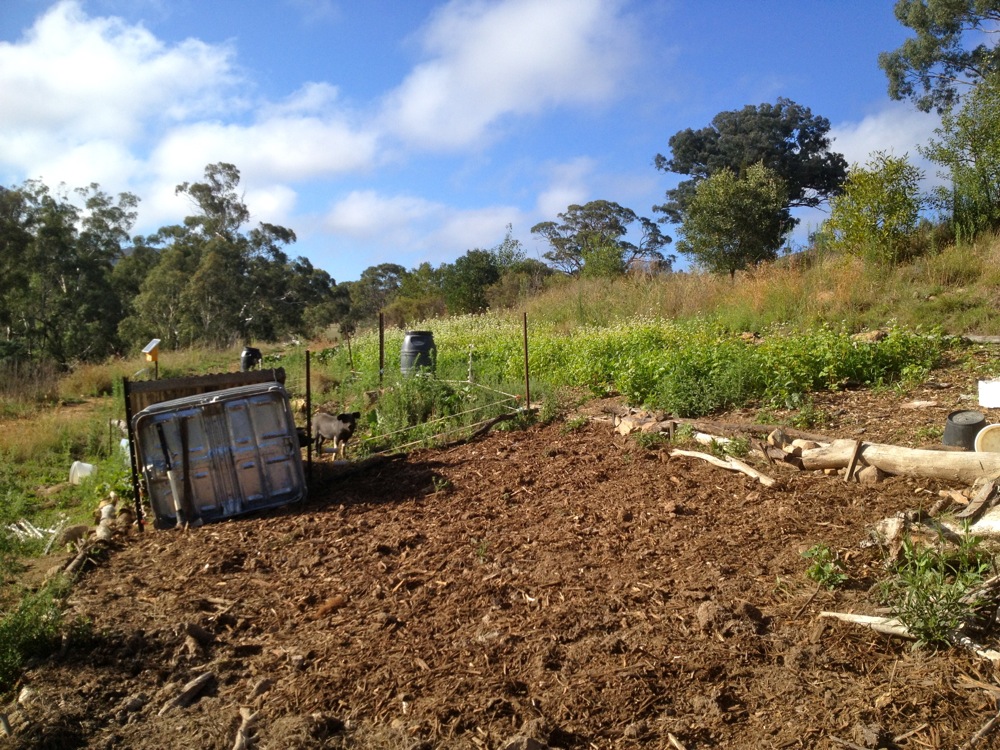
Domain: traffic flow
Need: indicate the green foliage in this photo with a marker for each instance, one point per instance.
(650, 440)
(590, 240)
(878, 212)
(735, 221)
(466, 281)
(31, 629)
(690, 369)
(575, 423)
(422, 408)
(932, 67)
(825, 567)
(807, 416)
(968, 147)
(928, 586)
(785, 136)
(56, 261)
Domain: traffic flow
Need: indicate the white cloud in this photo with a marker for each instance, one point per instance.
(271, 203)
(81, 96)
(98, 77)
(896, 128)
(472, 229)
(103, 161)
(569, 183)
(493, 59)
(284, 148)
(365, 213)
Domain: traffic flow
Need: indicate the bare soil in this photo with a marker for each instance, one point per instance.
(559, 586)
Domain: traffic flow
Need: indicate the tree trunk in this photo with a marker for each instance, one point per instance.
(951, 466)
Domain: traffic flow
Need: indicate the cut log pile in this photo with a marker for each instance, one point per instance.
(867, 463)
(856, 460)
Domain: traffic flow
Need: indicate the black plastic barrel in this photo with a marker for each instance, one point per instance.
(418, 352)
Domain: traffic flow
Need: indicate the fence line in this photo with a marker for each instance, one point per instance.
(440, 419)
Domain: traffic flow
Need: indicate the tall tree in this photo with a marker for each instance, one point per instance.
(58, 258)
(968, 147)
(785, 137)
(733, 222)
(466, 281)
(217, 281)
(375, 290)
(878, 211)
(594, 234)
(934, 66)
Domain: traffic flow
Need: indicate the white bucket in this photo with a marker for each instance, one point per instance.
(79, 471)
(988, 439)
(989, 393)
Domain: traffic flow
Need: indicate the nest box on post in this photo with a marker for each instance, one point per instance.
(152, 352)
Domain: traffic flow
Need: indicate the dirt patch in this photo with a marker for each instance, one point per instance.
(556, 586)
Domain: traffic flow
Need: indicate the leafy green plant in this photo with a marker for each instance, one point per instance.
(32, 628)
(684, 433)
(809, 416)
(441, 485)
(928, 587)
(651, 440)
(574, 423)
(738, 447)
(825, 568)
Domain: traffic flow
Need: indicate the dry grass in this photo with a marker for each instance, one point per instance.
(954, 288)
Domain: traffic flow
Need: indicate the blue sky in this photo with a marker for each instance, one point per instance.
(407, 131)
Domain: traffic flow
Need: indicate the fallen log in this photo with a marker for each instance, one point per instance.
(737, 429)
(892, 459)
(733, 464)
(884, 625)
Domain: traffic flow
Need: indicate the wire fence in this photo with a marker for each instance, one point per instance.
(509, 404)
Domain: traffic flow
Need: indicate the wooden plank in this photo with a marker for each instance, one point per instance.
(982, 497)
(148, 392)
(855, 455)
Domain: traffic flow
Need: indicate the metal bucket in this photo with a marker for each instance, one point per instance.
(418, 352)
(962, 427)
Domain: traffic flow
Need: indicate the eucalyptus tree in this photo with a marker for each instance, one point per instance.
(217, 281)
(592, 239)
(58, 257)
(787, 138)
(951, 52)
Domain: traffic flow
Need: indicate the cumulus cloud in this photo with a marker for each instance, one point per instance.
(365, 213)
(99, 77)
(568, 183)
(86, 99)
(488, 60)
(896, 128)
(481, 228)
(411, 230)
(281, 147)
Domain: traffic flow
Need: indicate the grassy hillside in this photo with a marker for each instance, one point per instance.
(956, 289)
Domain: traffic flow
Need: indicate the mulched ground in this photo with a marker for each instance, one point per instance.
(559, 586)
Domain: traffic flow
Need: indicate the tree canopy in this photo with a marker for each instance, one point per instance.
(733, 222)
(594, 235)
(968, 147)
(785, 137)
(878, 210)
(932, 67)
(77, 287)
